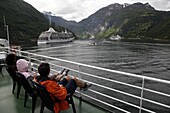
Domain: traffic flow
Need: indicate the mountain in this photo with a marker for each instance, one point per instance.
(24, 21)
(131, 21)
(75, 27)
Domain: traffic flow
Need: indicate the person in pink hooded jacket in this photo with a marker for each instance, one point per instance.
(23, 67)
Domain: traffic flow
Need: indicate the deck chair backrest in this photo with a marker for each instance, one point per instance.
(25, 83)
(12, 73)
(44, 95)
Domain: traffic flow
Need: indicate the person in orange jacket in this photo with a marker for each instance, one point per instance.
(59, 89)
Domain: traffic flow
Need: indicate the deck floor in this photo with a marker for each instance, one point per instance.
(10, 104)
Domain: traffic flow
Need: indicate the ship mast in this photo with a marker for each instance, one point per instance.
(7, 31)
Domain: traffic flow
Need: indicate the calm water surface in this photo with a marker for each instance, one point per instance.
(139, 58)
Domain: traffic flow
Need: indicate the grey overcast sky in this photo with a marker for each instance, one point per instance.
(80, 9)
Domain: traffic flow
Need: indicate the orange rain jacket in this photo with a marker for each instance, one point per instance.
(56, 91)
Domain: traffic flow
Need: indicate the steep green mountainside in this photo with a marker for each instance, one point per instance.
(24, 21)
(129, 21)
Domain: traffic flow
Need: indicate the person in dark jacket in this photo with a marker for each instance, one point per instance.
(11, 60)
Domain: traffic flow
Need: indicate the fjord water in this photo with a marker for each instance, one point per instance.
(148, 59)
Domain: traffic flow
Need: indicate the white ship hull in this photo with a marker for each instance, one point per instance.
(55, 41)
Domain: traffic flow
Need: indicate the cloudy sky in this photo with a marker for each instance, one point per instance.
(80, 9)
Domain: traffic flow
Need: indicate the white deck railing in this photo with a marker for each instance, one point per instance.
(114, 90)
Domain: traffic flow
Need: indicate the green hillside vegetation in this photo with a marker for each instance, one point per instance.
(107, 32)
(135, 21)
(24, 21)
(142, 23)
(147, 24)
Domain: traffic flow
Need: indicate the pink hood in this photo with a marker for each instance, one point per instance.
(22, 65)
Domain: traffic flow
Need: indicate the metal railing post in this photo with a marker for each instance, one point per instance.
(141, 99)
(79, 76)
(29, 58)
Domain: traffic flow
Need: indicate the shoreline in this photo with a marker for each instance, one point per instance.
(146, 41)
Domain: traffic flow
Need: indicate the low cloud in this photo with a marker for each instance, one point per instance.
(162, 5)
(80, 9)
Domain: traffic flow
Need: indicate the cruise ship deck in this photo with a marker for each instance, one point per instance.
(10, 104)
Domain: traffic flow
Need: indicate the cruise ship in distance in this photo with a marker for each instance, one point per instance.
(52, 36)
